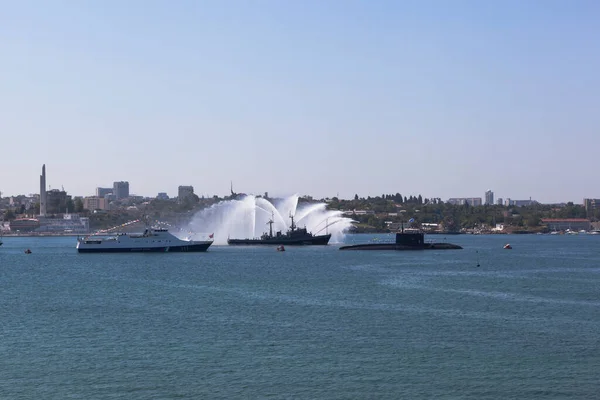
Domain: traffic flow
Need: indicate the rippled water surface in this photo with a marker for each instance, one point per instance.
(312, 322)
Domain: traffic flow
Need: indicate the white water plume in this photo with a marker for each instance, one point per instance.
(248, 218)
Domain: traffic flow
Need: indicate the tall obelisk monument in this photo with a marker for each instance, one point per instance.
(43, 194)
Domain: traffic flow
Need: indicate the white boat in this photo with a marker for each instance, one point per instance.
(151, 240)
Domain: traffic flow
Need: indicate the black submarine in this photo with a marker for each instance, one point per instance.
(405, 240)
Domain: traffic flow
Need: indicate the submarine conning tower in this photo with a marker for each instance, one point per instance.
(416, 239)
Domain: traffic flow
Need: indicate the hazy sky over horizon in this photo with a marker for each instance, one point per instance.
(439, 98)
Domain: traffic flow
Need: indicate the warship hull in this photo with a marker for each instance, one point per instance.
(320, 240)
(162, 249)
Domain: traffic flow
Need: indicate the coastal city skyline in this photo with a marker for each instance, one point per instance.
(335, 98)
(55, 211)
(120, 190)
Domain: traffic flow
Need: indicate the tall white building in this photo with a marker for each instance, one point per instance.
(101, 192)
(472, 201)
(121, 190)
(489, 197)
(185, 192)
(591, 204)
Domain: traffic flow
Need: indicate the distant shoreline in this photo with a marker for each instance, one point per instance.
(6, 235)
(42, 235)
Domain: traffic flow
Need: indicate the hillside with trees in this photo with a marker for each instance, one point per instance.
(376, 213)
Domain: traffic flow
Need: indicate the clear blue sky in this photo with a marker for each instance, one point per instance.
(439, 98)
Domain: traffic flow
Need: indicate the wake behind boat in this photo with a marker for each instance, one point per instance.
(151, 240)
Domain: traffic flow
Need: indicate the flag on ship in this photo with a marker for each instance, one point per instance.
(212, 235)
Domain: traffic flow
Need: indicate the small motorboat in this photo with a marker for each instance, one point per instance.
(507, 246)
(280, 248)
(27, 251)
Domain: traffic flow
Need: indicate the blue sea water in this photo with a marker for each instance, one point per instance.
(308, 323)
